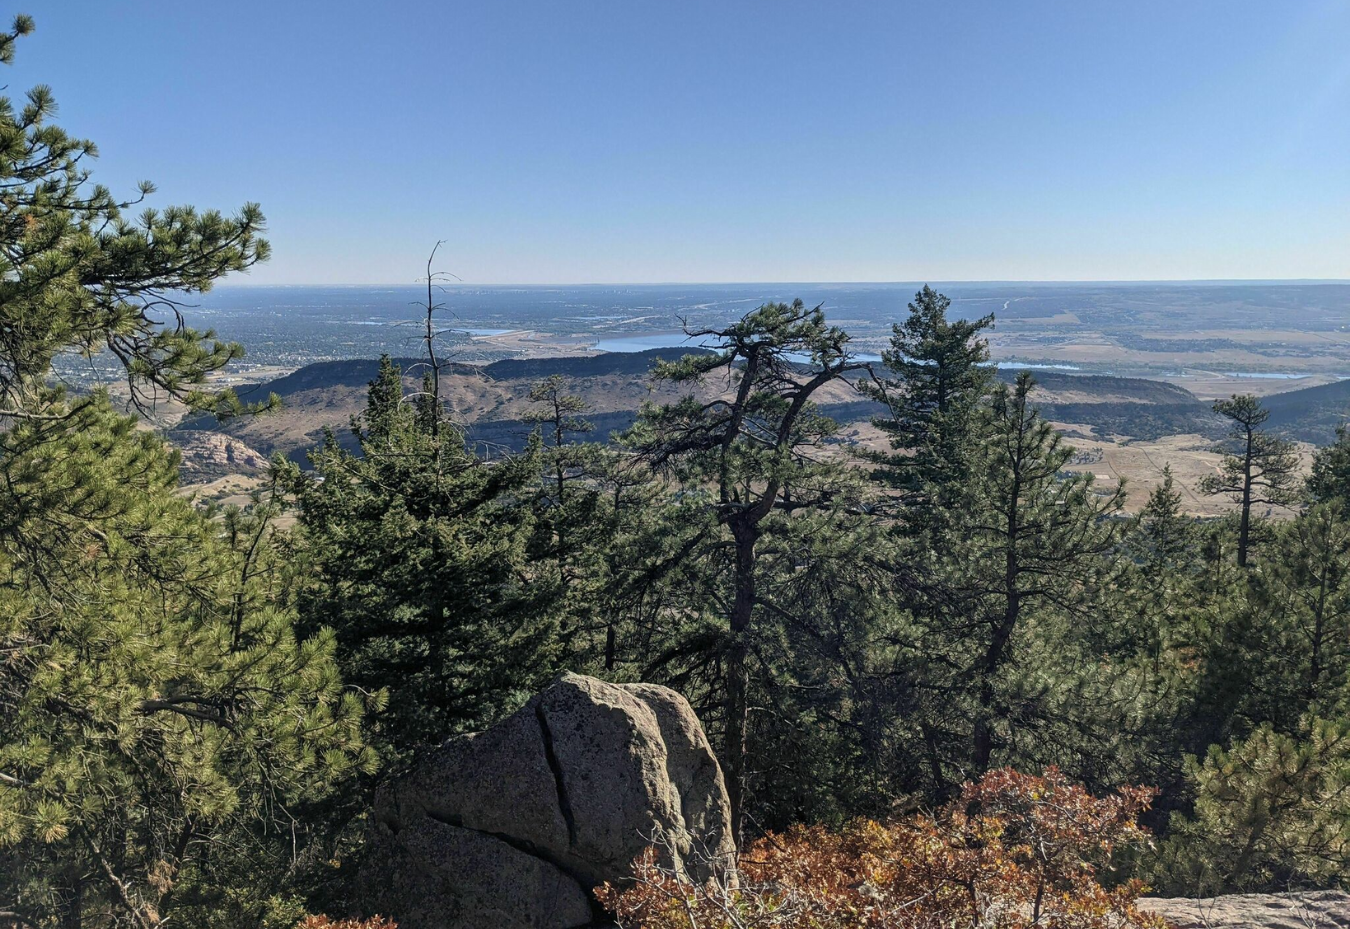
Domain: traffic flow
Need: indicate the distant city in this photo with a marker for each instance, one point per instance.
(1170, 331)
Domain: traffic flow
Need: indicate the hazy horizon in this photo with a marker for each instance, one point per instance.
(244, 281)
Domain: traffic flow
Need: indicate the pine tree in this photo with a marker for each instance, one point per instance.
(1164, 536)
(158, 714)
(939, 377)
(1329, 481)
(1307, 590)
(645, 542)
(749, 455)
(78, 277)
(418, 560)
(561, 416)
(1258, 468)
(1271, 811)
(579, 519)
(1281, 646)
(1032, 538)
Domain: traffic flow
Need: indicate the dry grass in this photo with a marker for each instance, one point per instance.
(1140, 465)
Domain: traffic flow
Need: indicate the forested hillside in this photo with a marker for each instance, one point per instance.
(1312, 414)
(913, 651)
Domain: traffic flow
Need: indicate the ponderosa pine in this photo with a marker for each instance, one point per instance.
(159, 715)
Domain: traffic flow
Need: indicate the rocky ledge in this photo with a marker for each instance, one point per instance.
(1323, 909)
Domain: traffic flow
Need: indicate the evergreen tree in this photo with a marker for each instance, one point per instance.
(1281, 642)
(417, 557)
(1163, 537)
(158, 715)
(646, 543)
(1258, 468)
(1329, 481)
(78, 277)
(1031, 542)
(1271, 812)
(561, 416)
(748, 457)
(939, 377)
(834, 731)
(582, 511)
(1306, 591)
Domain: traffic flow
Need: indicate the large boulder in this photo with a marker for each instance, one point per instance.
(513, 827)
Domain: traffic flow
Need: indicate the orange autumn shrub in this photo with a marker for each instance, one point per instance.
(1012, 852)
(326, 922)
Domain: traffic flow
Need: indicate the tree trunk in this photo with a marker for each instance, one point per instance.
(1244, 526)
(983, 749)
(1245, 523)
(72, 911)
(738, 674)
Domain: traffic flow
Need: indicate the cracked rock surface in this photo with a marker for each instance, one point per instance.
(514, 826)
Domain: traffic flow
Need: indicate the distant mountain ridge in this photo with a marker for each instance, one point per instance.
(359, 372)
(489, 401)
(1311, 413)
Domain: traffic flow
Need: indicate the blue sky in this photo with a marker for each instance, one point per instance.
(630, 141)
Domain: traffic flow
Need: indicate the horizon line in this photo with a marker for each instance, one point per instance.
(931, 281)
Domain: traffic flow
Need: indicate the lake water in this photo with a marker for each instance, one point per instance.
(1023, 366)
(641, 343)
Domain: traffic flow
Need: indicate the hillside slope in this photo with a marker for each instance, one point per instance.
(1311, 414)
(490, 401)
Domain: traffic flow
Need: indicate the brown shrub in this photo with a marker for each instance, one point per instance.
(327, 922)
(1012, 852)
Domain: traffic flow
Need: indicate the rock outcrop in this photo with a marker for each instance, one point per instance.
(1322, 909)
(208, 455)
(514, 826)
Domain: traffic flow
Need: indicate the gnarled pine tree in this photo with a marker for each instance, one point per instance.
(751, 452)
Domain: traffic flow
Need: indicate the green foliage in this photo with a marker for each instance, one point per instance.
(1163, 548)
(570, 498)
(1270, 811)
(1015, 577)
(77, 276)
(158, 715)
(1164, 536)
(940, 377)
(1280, 647)
(1329, 481)
(1258, 469)
(749, 460)
(416, 556)
(194, 705)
